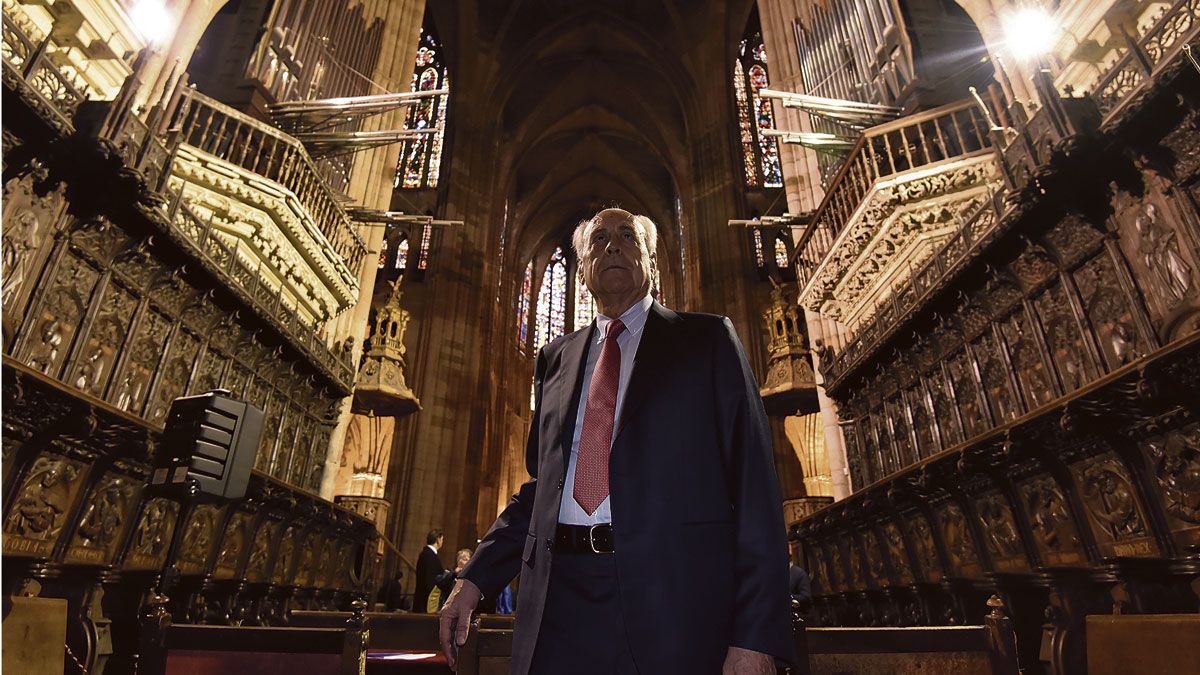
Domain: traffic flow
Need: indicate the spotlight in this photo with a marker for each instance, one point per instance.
(1029, 32)
(152, 20)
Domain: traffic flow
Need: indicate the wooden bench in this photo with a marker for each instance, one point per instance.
(990, 649)
(488, 651)
(1148, 644)
(398, 639)
(214, 650)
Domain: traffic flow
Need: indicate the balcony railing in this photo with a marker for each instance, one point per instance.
(25, 58)
(224, 132)
(944, 134)
(1158, 47)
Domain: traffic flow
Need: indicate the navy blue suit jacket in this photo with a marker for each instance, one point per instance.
(697, 517)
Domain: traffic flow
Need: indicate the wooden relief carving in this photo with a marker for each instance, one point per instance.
(1073, 239)
(1035, 382)
(1165, 267)
(836, 568)
(307, 568)
(1033, 266)
(210, 372)
(103, 519)
(1109, 312)
(872, 555)
(260, 551)
(815, 567)
(1174, 462)
(894, 543)
(943, 408)
(132, 386)
(98, 356)
(994, 375)
(1053, 529)
(148, 549)
(1065, 342)
(176, 372)
(960, 545)
(287, 553)
(900, 430)
(966, 393)
(232, 545)
(922, 422)
(266, 451)
(1000, 533)
(24, 229)
(50, 332)
(198, 539)
(98, 239)
(855, 456)
(1113, 507)
(38, 512)
(316, 576)
(924, 548)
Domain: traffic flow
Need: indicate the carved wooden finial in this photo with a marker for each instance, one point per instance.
(997, 606)
(358, 613)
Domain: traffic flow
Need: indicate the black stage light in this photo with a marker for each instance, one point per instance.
(210, 440)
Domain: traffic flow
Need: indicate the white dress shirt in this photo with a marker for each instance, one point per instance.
(634, 318)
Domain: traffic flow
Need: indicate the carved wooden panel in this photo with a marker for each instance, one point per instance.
(104, 519)
(50, 330)
(93, 367)
(29, 221)
(836, 567)
(1032, 376)
(1000, 533)
(922, 421)
(1108, 312)
(1054, 531)
(948, 427)
(39, 511)
(1114, 507)
(965, 386)
(873, 558)
(175, 374)
(202, 534)
(148, 549)
(993, 373)
(281, 571)
(1158, 249)
(233, 545)
(132, 386)
(260, 550)
(210, 371)
(960, 543)
(897, 421)
(893, 543)
(1173, 460)
(929, 566)
(1068, 353)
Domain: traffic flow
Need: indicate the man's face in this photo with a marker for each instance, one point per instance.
(440, 540)
(615, 261)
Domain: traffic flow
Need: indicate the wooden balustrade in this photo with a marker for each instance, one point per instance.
(229, 134)
(948, 133)
(25, 58)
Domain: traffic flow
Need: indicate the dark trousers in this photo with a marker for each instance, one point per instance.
(582, 632)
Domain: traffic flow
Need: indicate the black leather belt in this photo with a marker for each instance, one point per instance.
(584, 538)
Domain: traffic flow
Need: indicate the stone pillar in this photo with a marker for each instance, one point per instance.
(825, 331)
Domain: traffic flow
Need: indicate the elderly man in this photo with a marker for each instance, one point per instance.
(650, 537)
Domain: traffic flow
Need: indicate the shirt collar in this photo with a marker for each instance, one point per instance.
(634, 319)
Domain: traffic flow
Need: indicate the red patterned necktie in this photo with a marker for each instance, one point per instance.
(595, 441)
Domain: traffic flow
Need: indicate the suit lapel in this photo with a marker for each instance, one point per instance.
(573, 361)
(652, 352)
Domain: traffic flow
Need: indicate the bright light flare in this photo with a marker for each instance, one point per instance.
(1029, 32)
(153, 21)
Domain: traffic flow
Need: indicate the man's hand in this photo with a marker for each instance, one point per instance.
(455, 618)
(740, 661)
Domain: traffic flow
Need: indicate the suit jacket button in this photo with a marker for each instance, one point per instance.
(560, 483)
(549, 544)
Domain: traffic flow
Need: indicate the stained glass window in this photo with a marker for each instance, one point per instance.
(761, 159)
(781, 254)
(383, 254)
(421, 158)
(523, 308)
(552, 301)
(423, 256)
(585, 305)
(758, 248)
(743, 109)
(402, 254)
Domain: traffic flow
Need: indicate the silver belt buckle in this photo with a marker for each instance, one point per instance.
(592, 537)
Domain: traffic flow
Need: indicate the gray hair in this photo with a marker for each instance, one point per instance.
(647, 226)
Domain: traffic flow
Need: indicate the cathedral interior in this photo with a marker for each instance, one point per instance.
(959, 240)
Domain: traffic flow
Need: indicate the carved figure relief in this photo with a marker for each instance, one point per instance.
(153, 534)
(925, 548)
(1175, 464)
(133, 384)
(994, 376)
(101, 523)
(943, 408)
(962, 377)
(287, 551)
(1027, 361)
(959, 542)
(174, 379)
(873, 556)
(1000, 531)
(1112, 505)
(896, 553)
(1064, 339)
(232, 544)
(99, 354)
(256, 567)
(921, 423)
(20, 239)
(37, 513)
(837, 568)
(53, 327)
(1053, 530)
(1109, 312)
(1158, 246)
(198, 539)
